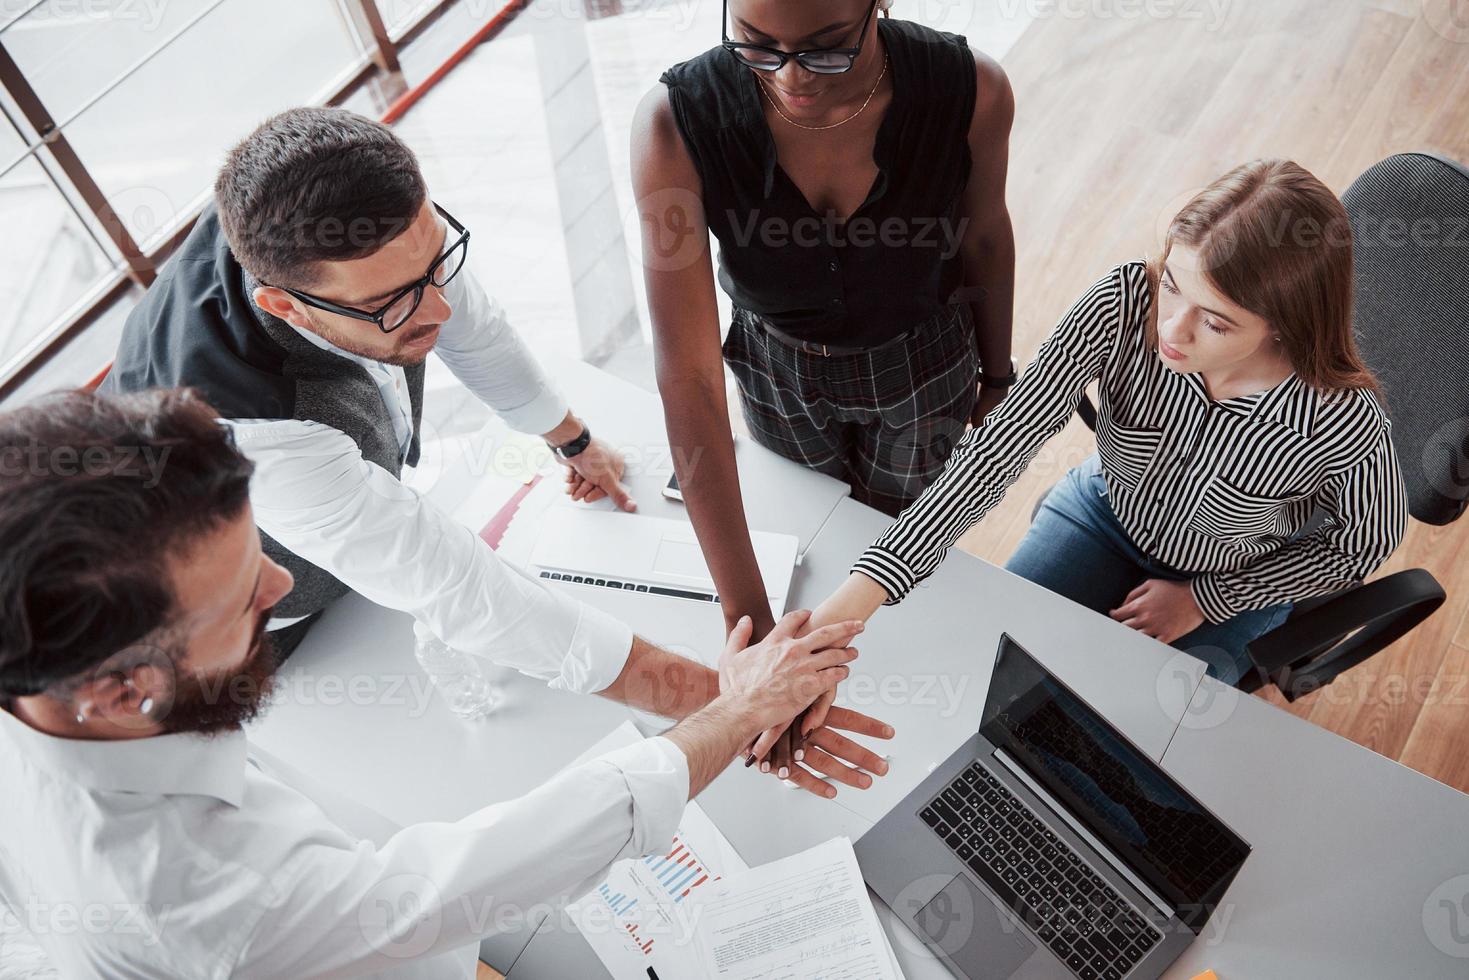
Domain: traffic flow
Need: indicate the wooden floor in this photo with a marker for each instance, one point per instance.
(1120, 120)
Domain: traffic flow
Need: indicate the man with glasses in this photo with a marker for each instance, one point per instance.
(303, 305)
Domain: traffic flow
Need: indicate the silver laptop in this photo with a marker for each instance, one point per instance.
(1049, 845)
(632, 553)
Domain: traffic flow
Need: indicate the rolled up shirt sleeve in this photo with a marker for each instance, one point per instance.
(315, 495)
(486, 353)
(1366, 509)
(341, 908)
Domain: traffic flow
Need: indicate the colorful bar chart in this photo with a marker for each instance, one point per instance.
(679, 871)
(619, 902)
(635, 919)
(645, 946)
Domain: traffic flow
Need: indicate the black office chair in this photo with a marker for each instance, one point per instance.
(1410, 217)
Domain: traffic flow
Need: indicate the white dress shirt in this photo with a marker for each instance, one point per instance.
(315, 494)
(176, 857)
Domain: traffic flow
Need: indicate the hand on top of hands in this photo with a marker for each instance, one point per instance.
(825, 752)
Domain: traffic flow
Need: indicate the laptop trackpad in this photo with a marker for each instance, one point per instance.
(984, 942)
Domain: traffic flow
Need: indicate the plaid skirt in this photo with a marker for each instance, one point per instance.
(884, 419)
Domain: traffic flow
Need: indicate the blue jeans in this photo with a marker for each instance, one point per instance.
(1077, 548)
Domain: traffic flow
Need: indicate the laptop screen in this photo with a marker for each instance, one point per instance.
(1168, 839)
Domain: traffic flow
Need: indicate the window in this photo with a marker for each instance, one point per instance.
(135, 131)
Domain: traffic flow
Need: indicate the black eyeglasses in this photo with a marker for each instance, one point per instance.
(404, 303)
(822, 61)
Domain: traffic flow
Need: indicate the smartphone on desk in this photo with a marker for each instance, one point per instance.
(672, 491)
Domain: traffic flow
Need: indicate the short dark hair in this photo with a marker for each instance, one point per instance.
(315, 185)
(96, 494)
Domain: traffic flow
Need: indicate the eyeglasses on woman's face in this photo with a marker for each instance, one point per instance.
(822, 61)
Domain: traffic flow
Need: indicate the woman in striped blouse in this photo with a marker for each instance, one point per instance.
(1233, 407)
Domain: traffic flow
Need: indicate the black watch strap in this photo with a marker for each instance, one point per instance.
(1000, 383)
(575, 447)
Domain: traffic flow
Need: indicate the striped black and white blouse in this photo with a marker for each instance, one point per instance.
(1217, 489)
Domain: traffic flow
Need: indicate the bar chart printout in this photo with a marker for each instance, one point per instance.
(679, 871)
(643, 913)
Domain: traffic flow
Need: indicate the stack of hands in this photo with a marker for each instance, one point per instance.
(783, 676)
(790, 676)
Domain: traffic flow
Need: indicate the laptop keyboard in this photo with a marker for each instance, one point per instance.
(607, 583)
(1082, 919)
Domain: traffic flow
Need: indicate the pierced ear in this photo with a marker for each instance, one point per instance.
(111, 698)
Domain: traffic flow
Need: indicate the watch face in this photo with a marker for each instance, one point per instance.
(576, 446)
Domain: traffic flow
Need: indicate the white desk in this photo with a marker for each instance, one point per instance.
(355, 716)
(1359, 863)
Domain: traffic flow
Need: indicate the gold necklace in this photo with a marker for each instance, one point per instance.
(816, 129)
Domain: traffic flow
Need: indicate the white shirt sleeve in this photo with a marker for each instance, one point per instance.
(314, 494)
(338, 910)
(484, 351)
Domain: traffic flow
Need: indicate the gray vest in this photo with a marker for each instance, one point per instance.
(198, 327)
(334, 391)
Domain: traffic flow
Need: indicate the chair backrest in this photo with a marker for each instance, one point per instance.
(1410, 219)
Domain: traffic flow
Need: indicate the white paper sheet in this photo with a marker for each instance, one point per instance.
(644, 913)
(805, 917)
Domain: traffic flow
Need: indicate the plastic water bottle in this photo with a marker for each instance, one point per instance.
(459, 676)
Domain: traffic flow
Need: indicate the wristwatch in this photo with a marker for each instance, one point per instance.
(1002, 382)
(575, 447)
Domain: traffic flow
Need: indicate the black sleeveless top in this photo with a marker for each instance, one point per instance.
(895, 262)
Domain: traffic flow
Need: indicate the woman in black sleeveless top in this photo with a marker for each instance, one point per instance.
(863, 238)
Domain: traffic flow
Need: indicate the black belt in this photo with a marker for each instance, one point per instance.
(824, 350)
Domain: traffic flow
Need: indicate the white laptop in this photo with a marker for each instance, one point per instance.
(632, 553)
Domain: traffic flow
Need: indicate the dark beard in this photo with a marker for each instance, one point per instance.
(223, 701)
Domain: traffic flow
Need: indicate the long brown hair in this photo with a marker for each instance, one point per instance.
(1277, 242)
